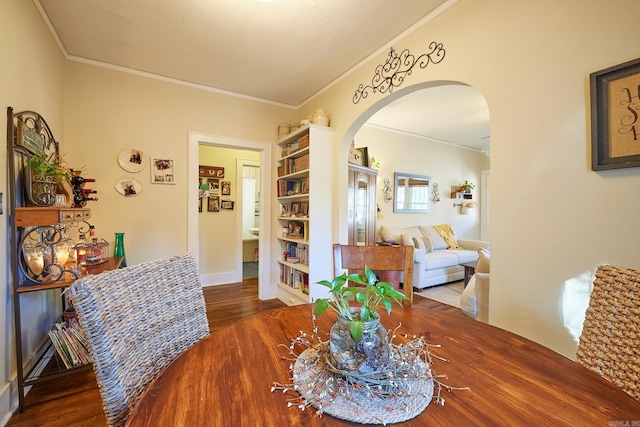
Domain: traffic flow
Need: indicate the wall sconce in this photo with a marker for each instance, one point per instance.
(386, 190)
(435, 194)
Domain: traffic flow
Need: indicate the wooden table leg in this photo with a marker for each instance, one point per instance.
(468, 272)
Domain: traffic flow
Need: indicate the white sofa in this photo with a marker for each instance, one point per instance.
(435, 262)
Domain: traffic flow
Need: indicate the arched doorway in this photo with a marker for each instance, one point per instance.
(450, 116)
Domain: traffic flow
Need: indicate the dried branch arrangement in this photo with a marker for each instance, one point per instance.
(399, 391)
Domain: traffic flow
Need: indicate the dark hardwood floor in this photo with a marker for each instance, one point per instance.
(74, 400)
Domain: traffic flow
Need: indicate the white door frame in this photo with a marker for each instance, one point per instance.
(265, 291)
(485, 205)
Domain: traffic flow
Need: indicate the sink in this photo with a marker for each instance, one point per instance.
(254, 231)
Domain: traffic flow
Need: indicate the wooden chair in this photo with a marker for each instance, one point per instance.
(137, 320)
(387, 261)
(610, 339)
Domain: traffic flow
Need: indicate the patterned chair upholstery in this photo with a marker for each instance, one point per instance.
(137, 320)
(610, 339)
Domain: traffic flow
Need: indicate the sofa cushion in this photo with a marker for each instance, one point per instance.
(462, 255)
(437, 241)
(393, 235)
(482, 265)
(440, 259)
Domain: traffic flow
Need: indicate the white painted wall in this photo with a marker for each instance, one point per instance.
(445, 164)
(553, 220)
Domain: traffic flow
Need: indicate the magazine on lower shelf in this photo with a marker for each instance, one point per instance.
(70, 343)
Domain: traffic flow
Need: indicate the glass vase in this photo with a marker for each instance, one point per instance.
(369, 354)
(118, 251)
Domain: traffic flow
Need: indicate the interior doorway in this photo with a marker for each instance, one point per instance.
(248, 178)
(231, 272)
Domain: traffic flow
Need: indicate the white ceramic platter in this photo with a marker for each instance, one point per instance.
(128, 187)
(131, 160)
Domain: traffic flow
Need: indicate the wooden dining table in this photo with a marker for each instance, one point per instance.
(227, 378)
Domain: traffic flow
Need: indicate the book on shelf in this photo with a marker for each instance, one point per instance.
(293, 278)
(293, 260)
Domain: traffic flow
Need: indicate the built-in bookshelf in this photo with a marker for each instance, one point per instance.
(303, 218)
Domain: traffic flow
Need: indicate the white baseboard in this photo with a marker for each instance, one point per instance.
(6, 410)
(221, 278)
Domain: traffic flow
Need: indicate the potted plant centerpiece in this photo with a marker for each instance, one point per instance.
(467, 186)
(357, 340)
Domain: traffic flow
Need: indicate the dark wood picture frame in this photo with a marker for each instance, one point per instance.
(226, 188)
(365, 156)
(615, 117)
(214, 204)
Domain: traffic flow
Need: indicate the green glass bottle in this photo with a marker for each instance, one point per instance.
(119, 249)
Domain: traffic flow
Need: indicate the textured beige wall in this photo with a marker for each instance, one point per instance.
(110, 110)
(31, 78)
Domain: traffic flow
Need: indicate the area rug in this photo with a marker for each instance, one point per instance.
(447, 294)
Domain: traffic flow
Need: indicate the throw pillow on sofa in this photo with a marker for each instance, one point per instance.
(422, 243)
(393, 235)
(437, 241)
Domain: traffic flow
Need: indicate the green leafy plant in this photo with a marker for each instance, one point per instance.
(373, 163)
(468, 186)
(369, 299)
(41, 166)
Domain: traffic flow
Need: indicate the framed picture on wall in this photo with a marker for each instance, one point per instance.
(214, 185)
(615, 111)
(226, 188)
(162, 171)
(227, 204)
(214, 204)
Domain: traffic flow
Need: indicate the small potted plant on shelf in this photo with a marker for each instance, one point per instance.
(467, 186)
(46, 177)
(357, 340)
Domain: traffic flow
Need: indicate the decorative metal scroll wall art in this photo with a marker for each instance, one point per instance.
(392, 73)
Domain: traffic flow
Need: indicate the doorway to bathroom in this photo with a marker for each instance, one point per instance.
(250, 207)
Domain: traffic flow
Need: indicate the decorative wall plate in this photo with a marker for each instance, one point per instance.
(128, 187)
(131, 160)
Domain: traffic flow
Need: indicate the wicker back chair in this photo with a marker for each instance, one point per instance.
(393, 264)
(610, 339)
(137, 320)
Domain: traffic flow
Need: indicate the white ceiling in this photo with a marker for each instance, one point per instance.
(283, 51)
